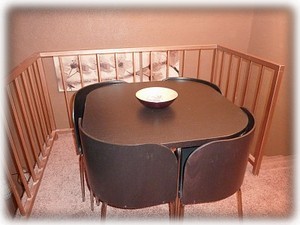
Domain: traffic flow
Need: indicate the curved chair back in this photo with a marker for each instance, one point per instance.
(180, 79)
(79, 104)
(130, 176)
(216, 170)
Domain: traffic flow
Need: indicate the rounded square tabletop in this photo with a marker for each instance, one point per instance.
(198, 115)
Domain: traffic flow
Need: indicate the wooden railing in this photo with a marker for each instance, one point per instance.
(30, 130)
(39, 96)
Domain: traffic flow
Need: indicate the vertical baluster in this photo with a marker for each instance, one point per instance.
(46, 93)
(228, 75)
(15, 192)
(141, 66)
(258, 86)
(221, 69)
(98, 67)
(167, 64)
(150, 66)
(133, 67)
(183, 63)
(65, 92)
(198, 64)
(116, 66)
(249, 69)
(237, 80)
(213, 75)
(20, 132)
(80, 71)
(26, 123)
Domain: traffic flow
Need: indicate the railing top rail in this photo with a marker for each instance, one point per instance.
(128, 50)
(267, 63)
(22, 67)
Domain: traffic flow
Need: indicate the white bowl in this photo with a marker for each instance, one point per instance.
(156, 97)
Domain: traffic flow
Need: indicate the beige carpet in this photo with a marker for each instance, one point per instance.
(267, 197)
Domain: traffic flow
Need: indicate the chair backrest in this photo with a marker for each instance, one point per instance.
(180, 79)
(216, 170)
(79, 104)
(130, 176)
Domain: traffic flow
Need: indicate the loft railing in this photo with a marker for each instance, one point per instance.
(30, 130)
(40, 91)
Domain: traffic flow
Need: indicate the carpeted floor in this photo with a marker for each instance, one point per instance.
(268, 196)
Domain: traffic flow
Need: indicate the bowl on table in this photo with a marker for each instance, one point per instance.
(156, 97)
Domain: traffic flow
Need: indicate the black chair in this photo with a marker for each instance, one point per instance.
(130, 176)
(182, 79)
(185, 152)
(78, 111)
(216, 170)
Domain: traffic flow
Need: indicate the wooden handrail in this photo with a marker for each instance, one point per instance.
(125, 50)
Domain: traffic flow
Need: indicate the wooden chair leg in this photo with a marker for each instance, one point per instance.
(92, 200)
(81, 172)
(180, 210)
(103, 210)
(97, 201)
(172, 210)
(177, 202)
(239, 203)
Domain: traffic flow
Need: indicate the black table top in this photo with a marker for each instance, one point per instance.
(199, 114)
